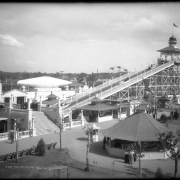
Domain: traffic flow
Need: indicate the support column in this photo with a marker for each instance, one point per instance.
(70, 118)
(9, 115)
(28, 116)
(40, 104)
(82, 118)
(33, 127)
(59, 111)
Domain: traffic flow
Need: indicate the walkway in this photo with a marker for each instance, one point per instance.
(75, 141)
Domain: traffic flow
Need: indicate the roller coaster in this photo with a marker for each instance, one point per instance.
(163, 77)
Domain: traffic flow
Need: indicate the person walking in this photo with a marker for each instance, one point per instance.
(12, 137)
(104, 142)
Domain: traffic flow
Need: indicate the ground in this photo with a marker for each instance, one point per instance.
(74, 156)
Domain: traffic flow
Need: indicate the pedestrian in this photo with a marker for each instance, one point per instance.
(104, 141)
(12, 137)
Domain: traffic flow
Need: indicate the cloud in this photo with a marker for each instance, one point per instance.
(10, 41)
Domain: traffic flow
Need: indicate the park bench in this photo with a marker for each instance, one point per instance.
(48, 146)
(8, 156)
(32, 150)
(23, 152)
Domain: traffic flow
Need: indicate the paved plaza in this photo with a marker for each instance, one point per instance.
(75, 140)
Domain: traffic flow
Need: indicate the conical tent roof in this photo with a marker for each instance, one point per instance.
(137, 127)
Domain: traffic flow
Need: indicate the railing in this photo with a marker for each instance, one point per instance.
(19, 110)
(4, 109)
(17, 106)
(136, 77)
(135, 80)
(23, 134)
(4, 136)
(110, 82)
(48, 109)
(4, 104)
(76, 123)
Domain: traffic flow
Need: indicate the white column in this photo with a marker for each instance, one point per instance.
(59, 110)
(29, 103)
(82, 118)
(70, 118)
(40, 104)
(33, 127)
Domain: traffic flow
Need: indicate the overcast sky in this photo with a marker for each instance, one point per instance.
(77, 38)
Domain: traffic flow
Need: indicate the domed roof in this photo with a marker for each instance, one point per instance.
(172, 38)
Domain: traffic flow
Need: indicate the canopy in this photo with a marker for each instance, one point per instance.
(94, 126)
(50, 102)
(137, 127)
(98, 107)
(170, 49)
(96, 99)
(52, 96)
(44, 81)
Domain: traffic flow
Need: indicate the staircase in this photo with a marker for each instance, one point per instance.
(42, 124)
(114, 86)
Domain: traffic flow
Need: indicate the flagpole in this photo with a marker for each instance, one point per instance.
(172, 30)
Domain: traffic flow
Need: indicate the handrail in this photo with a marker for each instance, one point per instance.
(123, 85)
(111, 82)
(137, 78)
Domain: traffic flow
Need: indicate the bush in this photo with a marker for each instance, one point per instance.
(159, 173)
(41, 147)
(163, 118)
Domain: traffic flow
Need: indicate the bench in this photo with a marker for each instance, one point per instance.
(23, 152)
(48, 146)
(32, 150)
(9, 156)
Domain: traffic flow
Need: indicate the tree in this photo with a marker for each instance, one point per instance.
(163, 118)
(169, 141)
(18, 122)
(41, 147)
(137, 148)
(89, 132)
(159, 173)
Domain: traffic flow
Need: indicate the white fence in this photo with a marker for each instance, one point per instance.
(22, 134)
(4, 136)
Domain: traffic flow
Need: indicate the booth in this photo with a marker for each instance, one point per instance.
(95, 132)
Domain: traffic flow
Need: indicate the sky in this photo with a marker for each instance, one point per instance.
(84, 37)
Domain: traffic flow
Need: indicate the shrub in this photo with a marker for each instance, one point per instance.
(159, 173)
(163, 118)
(41, 147)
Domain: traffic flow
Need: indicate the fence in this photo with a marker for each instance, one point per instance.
(22, 134)
(4, 136)
(76, 123)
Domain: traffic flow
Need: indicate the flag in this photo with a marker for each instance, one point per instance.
(175, 25)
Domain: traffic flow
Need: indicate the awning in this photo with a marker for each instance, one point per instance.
(44, 81)
(98, 107)
(3, 118)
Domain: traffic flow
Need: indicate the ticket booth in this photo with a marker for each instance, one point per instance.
(95, 132)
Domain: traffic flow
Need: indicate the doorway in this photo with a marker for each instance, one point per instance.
(3, 126)
(20, 100)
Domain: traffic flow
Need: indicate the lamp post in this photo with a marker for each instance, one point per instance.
(17, 123)
(32, 126)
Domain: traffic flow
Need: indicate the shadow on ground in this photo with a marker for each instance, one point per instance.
(97, 148)
(82, 139)
(146, 173)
